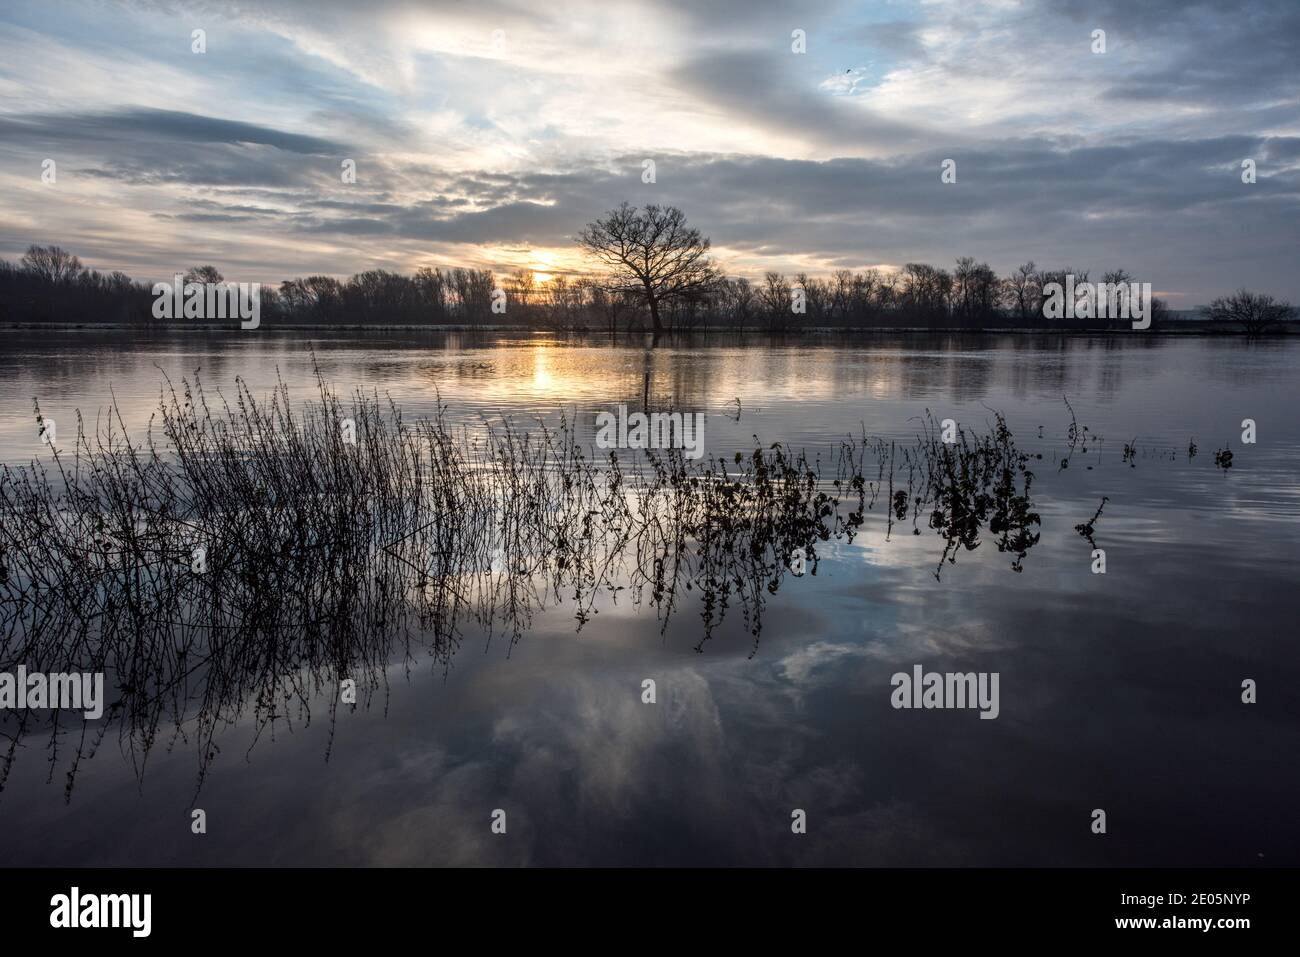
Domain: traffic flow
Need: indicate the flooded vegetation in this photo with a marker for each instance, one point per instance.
(270, 568)
(244, 556)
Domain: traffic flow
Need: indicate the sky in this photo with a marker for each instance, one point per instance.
(489, 133)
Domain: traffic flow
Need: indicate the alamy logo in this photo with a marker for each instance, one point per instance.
(78, 691)
(209, 300)
(658, 430)
(1103, 300)
(103, 910)
(947, 690)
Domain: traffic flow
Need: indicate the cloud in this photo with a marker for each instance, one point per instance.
(467, 148)
(135, 125)
(763, 89)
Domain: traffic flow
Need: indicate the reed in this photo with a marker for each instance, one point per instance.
(246, 556)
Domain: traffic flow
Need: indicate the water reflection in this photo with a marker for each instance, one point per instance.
(1120, 690)
(246, 557)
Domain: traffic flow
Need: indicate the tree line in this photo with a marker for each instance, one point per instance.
(50, 284)
(651, 272)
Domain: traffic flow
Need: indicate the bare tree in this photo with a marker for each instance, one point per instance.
(926, 292)
(740, 300)
(817, 298)
(976, 292)
(52, 263)
(432, 287)
(653, 251)
(204, 275)
(1061, 278)
(1025, 292)
(522, 286)
(774, 295)
(1255, 311)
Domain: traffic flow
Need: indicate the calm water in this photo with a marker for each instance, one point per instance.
(1119, 691)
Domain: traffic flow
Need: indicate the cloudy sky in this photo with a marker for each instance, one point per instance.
(489, 133)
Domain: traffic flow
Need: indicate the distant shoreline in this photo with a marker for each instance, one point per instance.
(1174, 327)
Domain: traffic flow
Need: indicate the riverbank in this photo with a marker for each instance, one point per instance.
(1195, 328)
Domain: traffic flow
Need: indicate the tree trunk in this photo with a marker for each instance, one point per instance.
(654, 314)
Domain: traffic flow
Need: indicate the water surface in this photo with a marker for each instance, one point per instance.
(1119, 691)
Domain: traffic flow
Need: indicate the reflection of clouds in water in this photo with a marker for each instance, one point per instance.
(606, 741)
(802, 667)
(559, 737)
(720, 758)
(575, 757)
(589, 774)
(448, 825)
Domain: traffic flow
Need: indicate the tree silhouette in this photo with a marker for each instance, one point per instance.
(652, 251)
(203, 275)
(53, 264)
(1255, 311)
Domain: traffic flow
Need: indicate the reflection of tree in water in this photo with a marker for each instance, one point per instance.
(247, 558)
